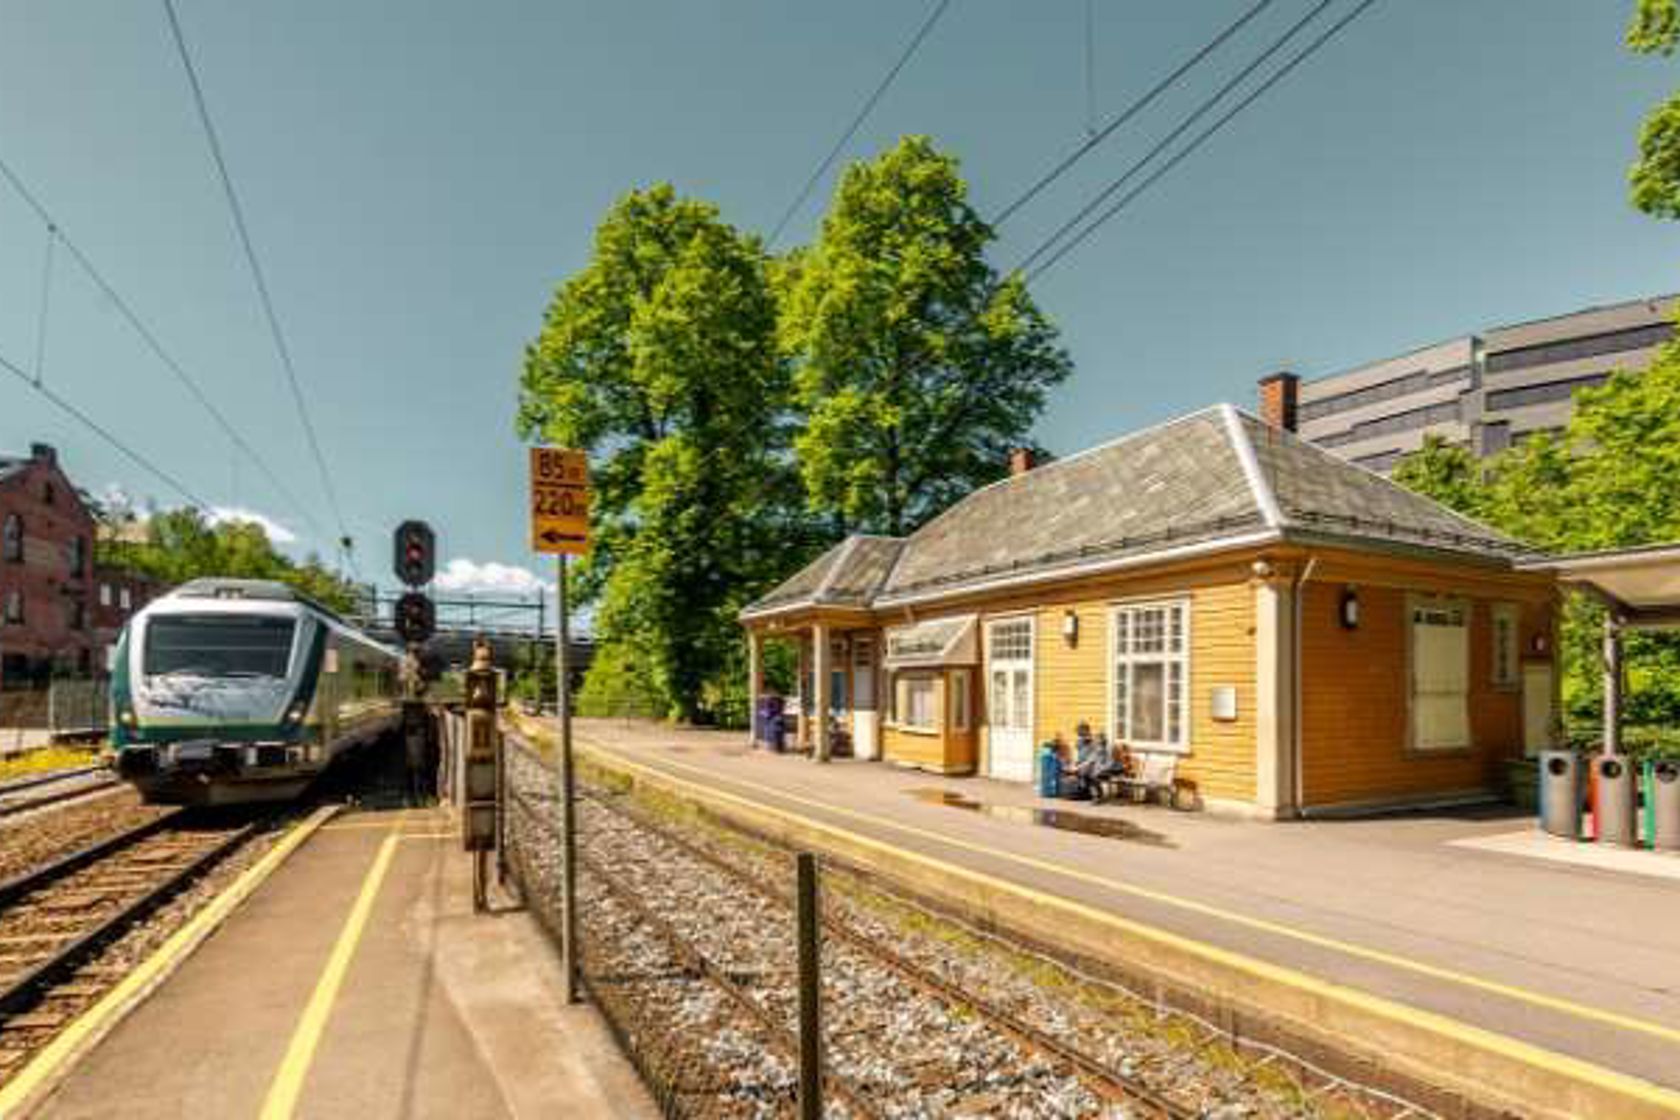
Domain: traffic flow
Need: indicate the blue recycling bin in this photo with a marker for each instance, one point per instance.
(1049, 771)
(766, 721)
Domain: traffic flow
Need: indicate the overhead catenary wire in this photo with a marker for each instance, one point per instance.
(1201, 138)
(257, 275)
(857, 121)
(59, 237)
(105, 434)
(1142, 102)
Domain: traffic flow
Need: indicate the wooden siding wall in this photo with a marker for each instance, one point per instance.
(1355, 686)
(1071, 683)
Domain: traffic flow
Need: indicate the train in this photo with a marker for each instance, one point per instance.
(228, 691)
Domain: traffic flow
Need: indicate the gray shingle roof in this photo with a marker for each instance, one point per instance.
(1219, 475)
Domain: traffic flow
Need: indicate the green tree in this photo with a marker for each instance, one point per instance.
(917, 368)
(1655, 175)
(659, 358)
(181, 545)
(1446, 472)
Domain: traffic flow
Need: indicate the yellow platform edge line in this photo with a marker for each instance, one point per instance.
(46, 1069)
(1445, 1026)
(287, 1086)
(1263, 925)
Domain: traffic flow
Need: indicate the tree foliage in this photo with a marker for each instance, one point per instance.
(917, 367)
(1607, 481)
(181, 545)
(660, 359)
(1655, 175)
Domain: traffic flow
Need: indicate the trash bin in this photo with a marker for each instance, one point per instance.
(765, 718)
(1560, 793)
(776, 732)
(1615, 797)
(1049, 771)
(1662, 804)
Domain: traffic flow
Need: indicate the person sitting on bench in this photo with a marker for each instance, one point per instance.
(1092, 760)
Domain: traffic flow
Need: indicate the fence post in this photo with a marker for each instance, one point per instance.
(809, 938)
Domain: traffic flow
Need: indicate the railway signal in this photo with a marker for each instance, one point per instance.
(415, 553)
(416, 617)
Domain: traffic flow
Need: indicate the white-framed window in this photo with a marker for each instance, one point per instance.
(1440, 674)
(1507, 672)
(13, 612)
(125, 598)
(918, 701)
(1150, 648)
(104, 594)
(960, 692)
(11, 539)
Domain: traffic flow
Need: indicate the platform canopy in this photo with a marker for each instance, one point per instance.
(936, 642)
(1642, 585)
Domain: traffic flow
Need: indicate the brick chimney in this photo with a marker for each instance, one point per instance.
(43, 453)
(1280, 400)
(1021, 460)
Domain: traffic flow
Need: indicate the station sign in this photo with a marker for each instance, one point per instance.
(559, 501)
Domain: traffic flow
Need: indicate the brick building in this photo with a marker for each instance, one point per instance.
(57, 613)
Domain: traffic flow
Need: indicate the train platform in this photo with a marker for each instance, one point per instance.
(357, 982)
(1555, 965)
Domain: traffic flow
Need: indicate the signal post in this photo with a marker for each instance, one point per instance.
(560, 525)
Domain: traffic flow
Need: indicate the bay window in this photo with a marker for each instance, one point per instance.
(1151, 674)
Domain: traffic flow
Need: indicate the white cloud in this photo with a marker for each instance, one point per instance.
(464, 575)
(277, 533)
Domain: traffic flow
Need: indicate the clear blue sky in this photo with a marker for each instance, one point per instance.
(419, 176)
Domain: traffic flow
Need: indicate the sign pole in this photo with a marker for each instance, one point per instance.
(568, 792)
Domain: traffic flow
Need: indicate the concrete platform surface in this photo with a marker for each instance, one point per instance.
(357, 983)
(1582, 960)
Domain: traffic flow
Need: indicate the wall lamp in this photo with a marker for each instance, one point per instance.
(1347, 609)
(1070, 628)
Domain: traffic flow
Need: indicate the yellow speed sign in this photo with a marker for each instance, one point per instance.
(559, 500)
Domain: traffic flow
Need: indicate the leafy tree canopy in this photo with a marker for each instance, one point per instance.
(1655, 175)
(917, 368)
(181, 545)
(660, 359)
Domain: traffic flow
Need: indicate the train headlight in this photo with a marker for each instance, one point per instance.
(295, 713)
(126, 718)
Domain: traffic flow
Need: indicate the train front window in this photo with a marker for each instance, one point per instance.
(218, 645)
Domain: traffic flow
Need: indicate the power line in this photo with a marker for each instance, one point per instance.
(256, 268)
(1206, 134)
(1178, 130)
(1143, 102)
(105, 434)
(857, 121)
(58, 235)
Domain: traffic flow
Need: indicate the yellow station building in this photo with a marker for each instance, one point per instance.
(1289, 631)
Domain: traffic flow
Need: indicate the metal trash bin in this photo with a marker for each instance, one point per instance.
(1662, 804)
(1560, 793)
(1615, 800)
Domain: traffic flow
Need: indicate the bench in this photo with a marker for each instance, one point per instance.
(1144, 776)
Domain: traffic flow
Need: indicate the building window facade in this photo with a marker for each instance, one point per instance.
(1440, 675)
(78, 557)
(104, 594)
(1151, 674)
(917, 704)
(13, 612)
(1507, 673)
(11, 539)
(125, 598)
(960, 700)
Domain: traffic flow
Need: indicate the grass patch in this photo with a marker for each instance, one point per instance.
(48, 759)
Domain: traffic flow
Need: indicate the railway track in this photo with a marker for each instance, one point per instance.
(1173, 1074)
(26, 794)
(56, 920)
(871, 1072)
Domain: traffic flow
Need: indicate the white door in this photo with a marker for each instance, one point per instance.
(1009, 698)
(1537, 707)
